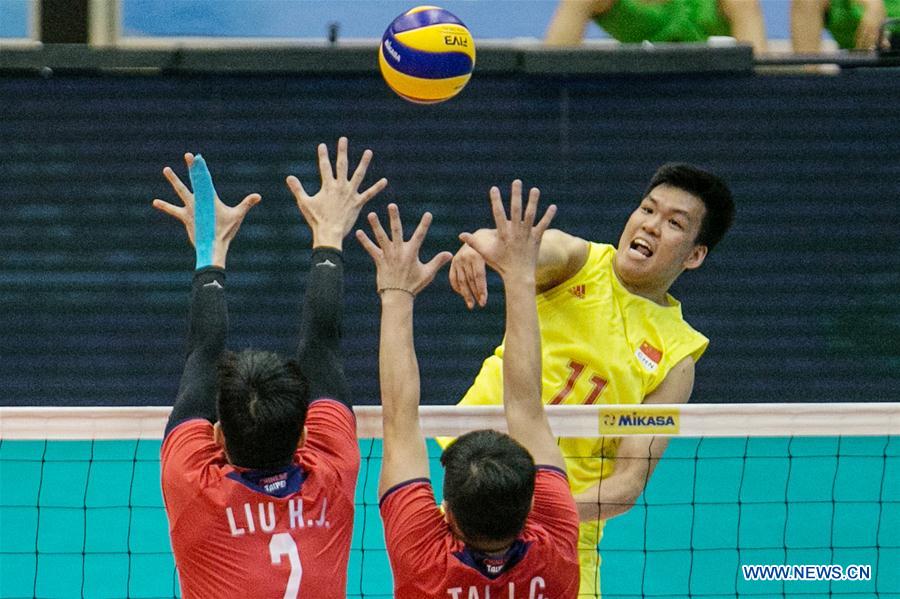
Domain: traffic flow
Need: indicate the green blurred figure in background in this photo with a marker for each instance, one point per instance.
(635, 21)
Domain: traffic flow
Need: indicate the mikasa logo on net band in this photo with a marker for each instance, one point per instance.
(626, 420)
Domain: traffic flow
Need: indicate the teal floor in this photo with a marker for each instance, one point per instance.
(82, 519)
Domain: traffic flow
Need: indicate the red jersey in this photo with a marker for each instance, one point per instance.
(238, 533)
(428, 561)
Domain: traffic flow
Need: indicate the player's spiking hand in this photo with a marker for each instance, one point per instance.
(210, 224)
(332, 212)
(513, 250)
(468, 275)
(397, 261)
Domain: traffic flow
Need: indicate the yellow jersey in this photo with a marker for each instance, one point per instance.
(600, 344)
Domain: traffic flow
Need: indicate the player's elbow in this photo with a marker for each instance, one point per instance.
(625, 497)
(593, 511)
(625, 503)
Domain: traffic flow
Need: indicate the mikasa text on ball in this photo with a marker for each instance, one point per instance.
(427, 55)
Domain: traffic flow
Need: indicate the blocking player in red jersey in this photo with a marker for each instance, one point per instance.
(260, 456)
(509, 528)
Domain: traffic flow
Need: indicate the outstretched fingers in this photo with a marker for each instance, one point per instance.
(396, 223)
(545, 221)
(296, 188)
(300, 196)
(373, 191)
(534, 195)
(170, 209)
(515, 201)
(181, 190)
(360, 173)
(324, 164)
(340, 163)
(471, 241)
(418, 236)
(436, 264)
(497, 210)
(380, 236)
(247, 203)
(373, 250)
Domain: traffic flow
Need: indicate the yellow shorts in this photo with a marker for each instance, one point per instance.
(589, 535)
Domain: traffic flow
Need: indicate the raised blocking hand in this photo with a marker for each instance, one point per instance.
(218, 222)
(397, 261)
(513, 251)
(332, 212)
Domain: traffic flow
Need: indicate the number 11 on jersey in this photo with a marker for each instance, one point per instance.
(576, 369)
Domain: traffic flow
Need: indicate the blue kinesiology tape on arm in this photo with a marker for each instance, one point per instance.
(204, 211)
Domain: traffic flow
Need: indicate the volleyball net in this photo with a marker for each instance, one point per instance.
(749, 500)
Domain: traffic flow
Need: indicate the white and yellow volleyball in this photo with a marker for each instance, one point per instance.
(427, 55)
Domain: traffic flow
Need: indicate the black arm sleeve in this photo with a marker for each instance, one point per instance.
(320, 327)
(207, 330)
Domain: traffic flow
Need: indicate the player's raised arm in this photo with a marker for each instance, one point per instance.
(331, 213)
(515, 258)
(210, 225)
(401, 276)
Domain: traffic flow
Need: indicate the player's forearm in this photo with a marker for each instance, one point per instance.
(397, 365)
(219, 254)
(208, 324)
(522, 362)
(874, 6)
(611, 497)
(751, 28)
(320, 326)
(568, 24)
(207, 330)
(806, 26)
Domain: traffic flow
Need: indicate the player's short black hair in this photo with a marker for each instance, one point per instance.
(262, 408)
(709, 189)
(488, 485)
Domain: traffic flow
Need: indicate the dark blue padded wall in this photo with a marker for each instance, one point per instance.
(800, 300)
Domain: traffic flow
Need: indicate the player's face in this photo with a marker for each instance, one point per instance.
(658, 242)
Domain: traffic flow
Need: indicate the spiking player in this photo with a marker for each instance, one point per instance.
(612, 333)
(260, 459)
(510, 528)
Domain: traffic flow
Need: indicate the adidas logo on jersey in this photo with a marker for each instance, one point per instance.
(578, 291)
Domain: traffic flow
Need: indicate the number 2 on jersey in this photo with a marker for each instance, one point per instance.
(575, 371)
(283, 544)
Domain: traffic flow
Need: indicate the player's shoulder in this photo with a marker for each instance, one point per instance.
(414, 490)
(553, 500)
(552, 483)
(565, 259)
(190, 436)
(594, 258)
(329, 423)
(328, 407)
(679, 336)
(331, 451)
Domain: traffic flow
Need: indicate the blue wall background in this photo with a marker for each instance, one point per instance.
(800, 300)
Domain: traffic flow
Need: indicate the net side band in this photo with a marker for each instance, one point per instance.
(698, 420)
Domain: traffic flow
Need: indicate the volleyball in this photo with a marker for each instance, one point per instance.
(427, 55)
